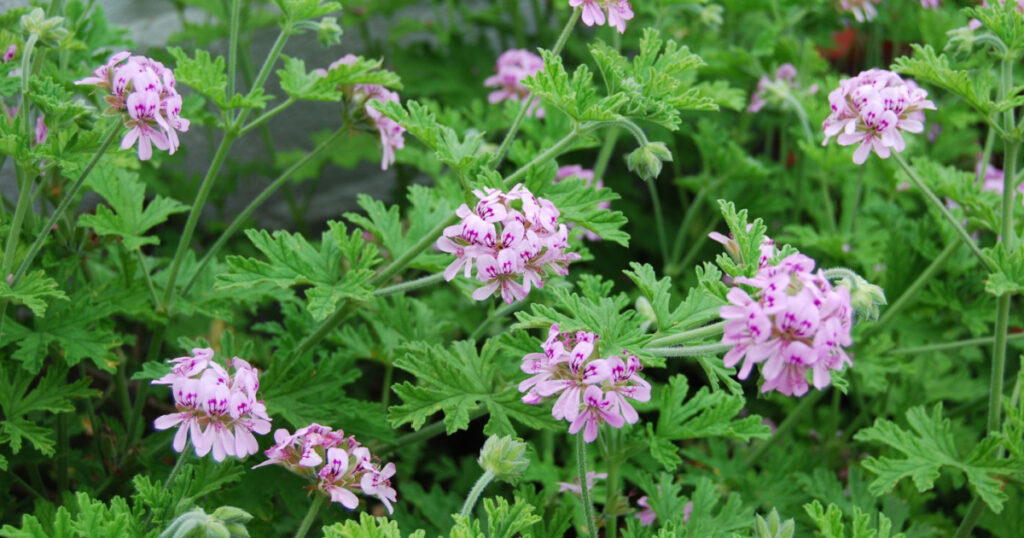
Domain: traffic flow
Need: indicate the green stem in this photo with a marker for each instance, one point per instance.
(65, 202)
(550, 153)
(64, 461)
(474, 493)
(314, 509)
(266, 116)
(235, 15)
(904, 299)
(794, 416)
(193, 216)
(241, 218)
(185, 452)
(588, 507)
(605, 154)
(946, 346)
(689, 351)
(499, 155)
(135, 420)
(699, 333)
(26, 75)
(268, 64)
(691, 212)
(24, 178)
(385, 389)
(498, 313)
(658, 220)
(945, 212)
(410, 285)
(149, 279)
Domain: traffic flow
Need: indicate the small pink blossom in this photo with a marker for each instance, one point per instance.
(873, 109)
(574, 486)
(142, 91)
(863, 10)
(795, 322)
(217, 409)
(512, 67)
(510, 247)
(336, 463)
(619, 12)
(41, 130)
(590, 391)
(783, 83)
(9, 53)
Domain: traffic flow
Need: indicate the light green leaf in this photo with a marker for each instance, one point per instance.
(125, 216)
(21, 396)
(33, 290)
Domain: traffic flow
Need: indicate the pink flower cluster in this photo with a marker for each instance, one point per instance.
(795, 321)
(391, 133)
(142, 92)
(590, 390)
(507, 237)
(872, 109)
(863, 10)
(216, 408)
(619, 11)
(575, 170)
(512, 67)
(343, 464)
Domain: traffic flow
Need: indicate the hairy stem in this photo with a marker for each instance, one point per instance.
(689, 351)
(474, 493)
(588, 506)
(946, 346)
(715, 329)
(659, 220)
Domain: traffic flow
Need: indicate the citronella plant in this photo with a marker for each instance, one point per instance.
(284, 268)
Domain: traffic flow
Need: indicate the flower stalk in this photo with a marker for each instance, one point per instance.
(474, 493)
(588, 506)
(314, 510)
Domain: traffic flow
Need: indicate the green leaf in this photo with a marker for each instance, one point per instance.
(579, 203)
(705, 414)
(575, 96)
(927, 449)
(465, 154)
(702, 302)
(368, 527)
(831, 522)
(125, 216)
(505, 520)
(300, 10)
(386, 224)
(21, 398)
(455, 380)
(339, 270)
(745, 258)
(926, 66)
(309, 86)
(1009, 277)
(208, 76)
(33, 290)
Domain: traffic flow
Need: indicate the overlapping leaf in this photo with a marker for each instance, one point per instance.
(125, 216)
(34, 290)
(23, 399)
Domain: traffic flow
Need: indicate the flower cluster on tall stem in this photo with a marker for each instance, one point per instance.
(590, 391)
(872, 109)
(507, 237)
(216, 406)
(336, 463)
(141, 90)
(619, 11)
(587, 175)
(783, 81)
(359, 97)
(512, 67)
(794, 321)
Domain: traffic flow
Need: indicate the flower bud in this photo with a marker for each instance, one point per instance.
(646, 160)
(865, 297)
(504, 456)
(49, 31)
(646, 311)
(773, 527)
(328, 32)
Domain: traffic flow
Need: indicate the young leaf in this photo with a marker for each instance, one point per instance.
(1009, 278)
(32, 290)
(927, 449)
(831, 525)
(926, 66)
(368, 527)
(125, 216)
(209, 78)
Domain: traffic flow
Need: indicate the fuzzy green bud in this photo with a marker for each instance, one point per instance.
(48, 31)
(646, 160)
(865, 297)
(504, 456)
(773, 527)
(224, 522)
(328, 32)
(646, 311)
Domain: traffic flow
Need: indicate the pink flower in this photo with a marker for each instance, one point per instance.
(570, 369)
(930, 4)
(647, 515)
(862, 10)
(216, 412)
(619, 11)
(361, 96)
(510, 247)
(993, 181)
(41, 130)
(783, 83)
(873, 109)
(796, 322)
(9, 53)
(512, 67)
(346, 465)
(141, 90)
